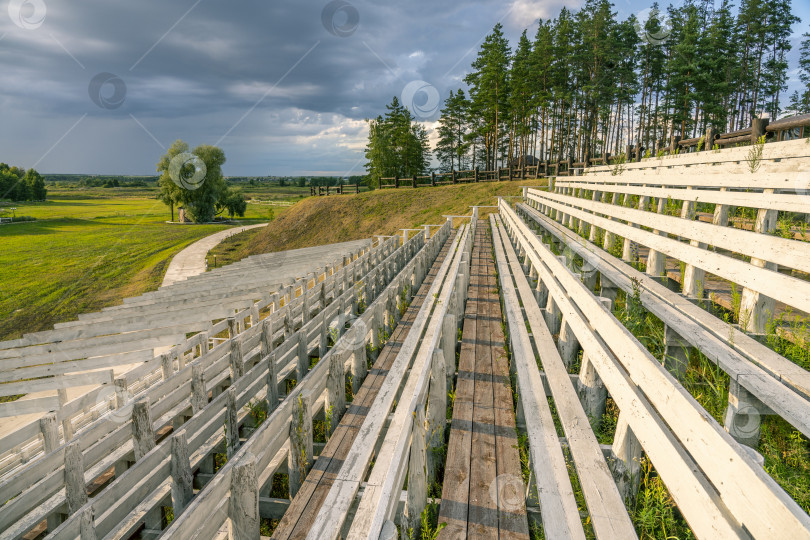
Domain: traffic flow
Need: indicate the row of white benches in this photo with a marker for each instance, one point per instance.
(718, 484)
(233, 502)
(65, 363)
(38, 490)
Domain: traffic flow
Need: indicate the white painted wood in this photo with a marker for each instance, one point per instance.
(558, 505)
(336, 505)
(29, 406)
(757, 367)
(387, 476)
(749, 493)
(791, 201)
(791, 253)
(792, 291)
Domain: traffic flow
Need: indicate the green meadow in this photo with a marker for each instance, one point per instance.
(90, 248)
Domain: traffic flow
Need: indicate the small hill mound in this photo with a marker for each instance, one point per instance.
(325, 220)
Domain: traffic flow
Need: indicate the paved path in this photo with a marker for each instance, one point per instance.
(191, 261)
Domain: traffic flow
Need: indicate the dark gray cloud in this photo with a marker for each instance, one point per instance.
(264, 79)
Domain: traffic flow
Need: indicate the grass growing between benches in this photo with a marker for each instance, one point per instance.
(785, 449)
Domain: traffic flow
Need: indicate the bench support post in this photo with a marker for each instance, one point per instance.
(359, 364)
(744, 413)
(657, 261)
(437, 409)
(142, 433)
(300, 459)
(626, 467)
(335, 392)
(757, 309)
(199, 397)
(591, 389)
(182, 479)
(231, 423)
(676, 353)
(417, 480)
(243, 504)
(75, 492)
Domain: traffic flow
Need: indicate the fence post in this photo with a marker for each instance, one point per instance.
(758, 126)
(142, 433)
(335, 391)
(453, 175)
(182, 479)
(433, 178)
(414, 181)
(396, 182)
(708, 142)
(476, 174)
(243, 504)
(199, 397)
(673, 148)
(75, 491)
(379, 182)
(231, 423)
(300, 443)
(417, 480)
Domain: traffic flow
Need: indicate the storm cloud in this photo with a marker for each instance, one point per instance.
(96, 86)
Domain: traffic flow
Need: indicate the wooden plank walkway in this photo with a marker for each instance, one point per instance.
(483, 492)
(305, 506)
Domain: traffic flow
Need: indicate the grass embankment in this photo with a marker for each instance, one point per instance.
(340, 218)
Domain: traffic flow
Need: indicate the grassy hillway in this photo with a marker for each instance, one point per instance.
(325, 220)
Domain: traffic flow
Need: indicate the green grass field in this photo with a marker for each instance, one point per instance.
(89, 248)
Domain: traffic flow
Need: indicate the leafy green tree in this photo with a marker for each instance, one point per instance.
(232, 201)
(35, 185)
(201, 202)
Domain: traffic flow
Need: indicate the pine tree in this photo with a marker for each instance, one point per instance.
(452, 146)
(489, 90)
(397, 145)
(800, 100)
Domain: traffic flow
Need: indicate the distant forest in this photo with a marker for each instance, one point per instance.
(590, 83)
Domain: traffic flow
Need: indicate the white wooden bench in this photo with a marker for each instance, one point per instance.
(718, 486)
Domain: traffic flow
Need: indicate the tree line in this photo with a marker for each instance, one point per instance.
(588, 83)
(18, 184)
